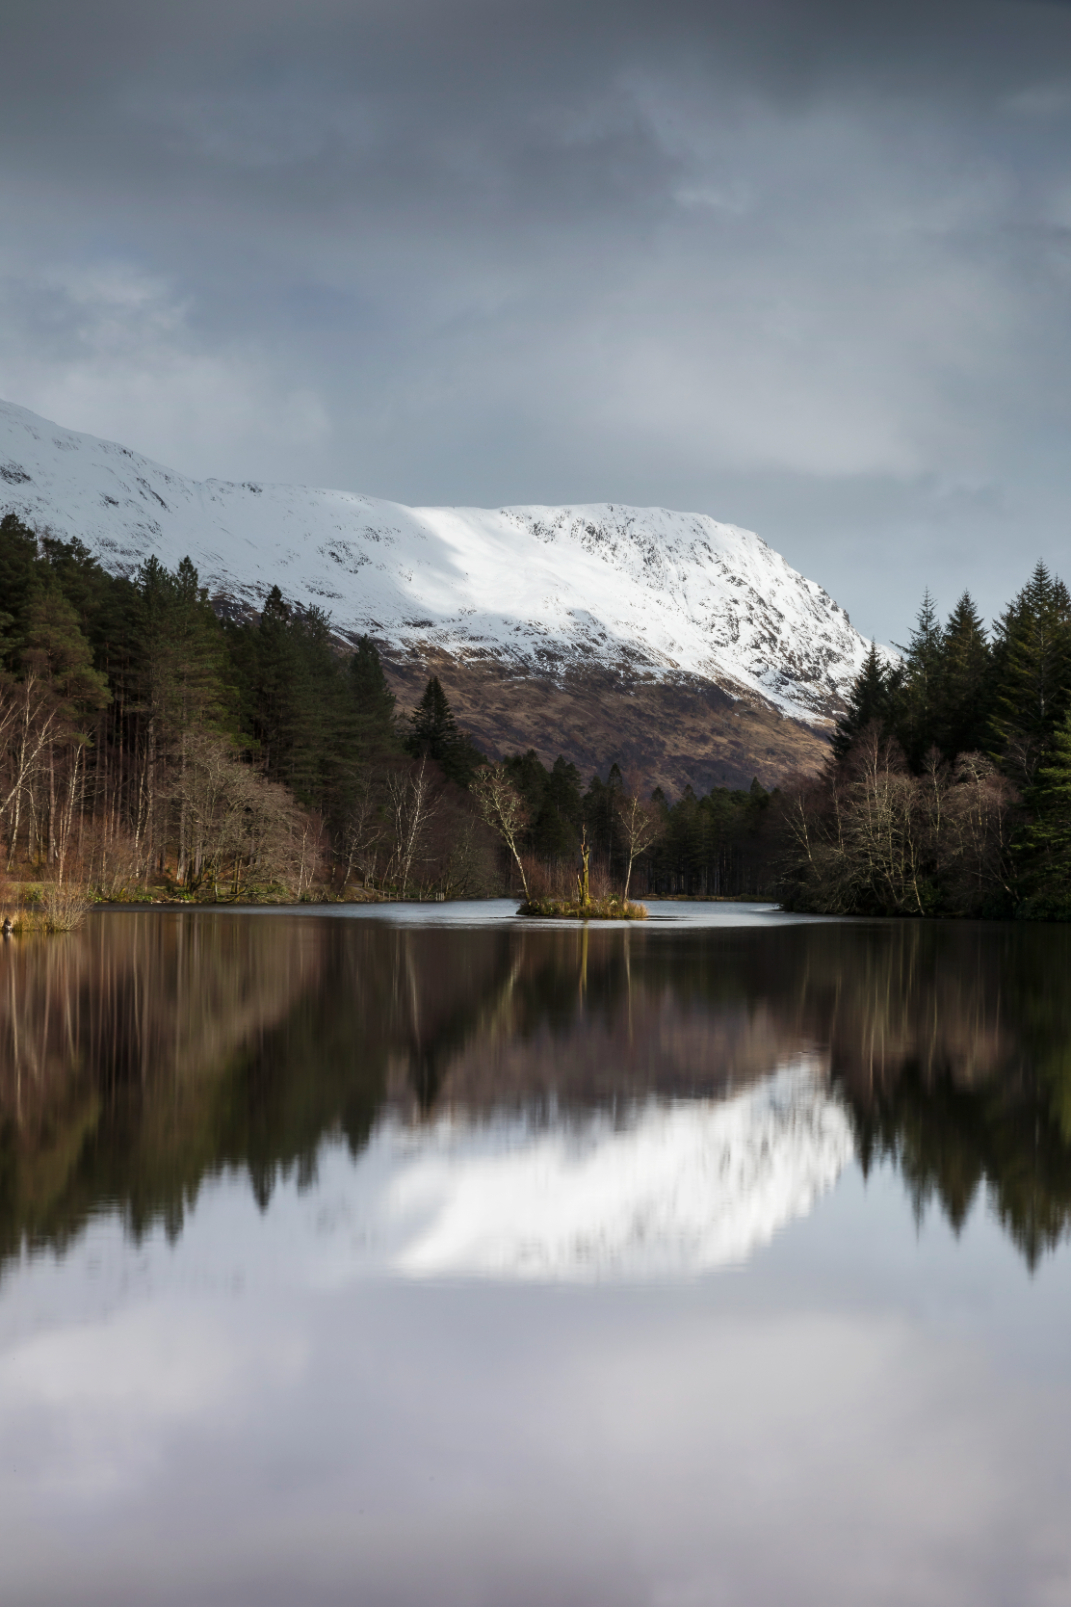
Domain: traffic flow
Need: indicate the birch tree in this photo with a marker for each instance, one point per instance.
(504, 810)
(642, 824)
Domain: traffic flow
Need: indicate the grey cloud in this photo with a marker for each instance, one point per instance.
(804, 266)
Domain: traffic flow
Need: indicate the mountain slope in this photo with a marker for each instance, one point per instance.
(624, 600)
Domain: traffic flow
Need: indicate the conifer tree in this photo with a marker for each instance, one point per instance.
(964, 690)
(205, 698)
(1049, 835)
(529, 776)
(56, 651)
(869, 702)
(57, 654)
(178, 654)
(175, 678)
(274, 686)
(373, 700)
(434, 727)
(18, 577)
(556, 831)
(324, 748)
(434, 734)
(601, 812)
(915, 692)
(1032, 675)
(301, 708)
(89, 589)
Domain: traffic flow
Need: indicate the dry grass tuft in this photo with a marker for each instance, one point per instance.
(63, 906)
(55, 909)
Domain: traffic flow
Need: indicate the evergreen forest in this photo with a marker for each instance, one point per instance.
(948, 791)
(151, 747)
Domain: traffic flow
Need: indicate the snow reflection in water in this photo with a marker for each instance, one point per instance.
(347, 1260)
(667, 1190)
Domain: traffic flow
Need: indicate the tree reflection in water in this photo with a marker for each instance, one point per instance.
(152, 1051)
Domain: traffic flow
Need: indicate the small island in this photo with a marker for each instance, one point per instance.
(583, 907)
(574, 909)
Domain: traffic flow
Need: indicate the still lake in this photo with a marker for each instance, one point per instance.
(421, 1257)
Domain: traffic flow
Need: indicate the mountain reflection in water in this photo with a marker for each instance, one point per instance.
(534, 1102)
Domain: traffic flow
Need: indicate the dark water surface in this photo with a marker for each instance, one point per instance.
(422, 1258)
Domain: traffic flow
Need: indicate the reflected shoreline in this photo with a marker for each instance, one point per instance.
(144, 1055)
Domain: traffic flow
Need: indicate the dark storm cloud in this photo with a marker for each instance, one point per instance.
(804, 266)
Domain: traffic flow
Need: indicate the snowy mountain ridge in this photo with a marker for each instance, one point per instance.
(646, 591)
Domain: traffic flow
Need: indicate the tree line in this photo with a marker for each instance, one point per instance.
(143, 738)
(722, 844)
(146, 739)
(948, 791)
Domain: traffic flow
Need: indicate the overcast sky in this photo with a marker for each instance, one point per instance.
(805, 265)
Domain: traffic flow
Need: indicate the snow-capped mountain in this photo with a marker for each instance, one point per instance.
(642, 591)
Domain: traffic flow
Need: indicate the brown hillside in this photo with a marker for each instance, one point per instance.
(670, 733)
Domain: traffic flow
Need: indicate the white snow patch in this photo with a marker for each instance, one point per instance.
(542, 587)
(672, 1190)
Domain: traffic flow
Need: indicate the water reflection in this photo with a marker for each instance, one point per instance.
(535, 1102)
(661, 1190)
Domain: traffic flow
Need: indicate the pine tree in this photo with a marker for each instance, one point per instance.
(373, 700)
(89, 589)
(434, 734)
(530, 778)
(433, 723)
(869, 702)
(174, 680)
(686, 842)
(556, 831)
(298, 700)
(178, 655)
(323, 750)
(57, 658)
(964, 689)
(601, 813)
(916, 691)
(1049, 835)
(19, 570)
(56, 650)
(205, 698)
(273, 684)
(1032, 674)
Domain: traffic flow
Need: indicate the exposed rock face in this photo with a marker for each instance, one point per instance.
(679, 646)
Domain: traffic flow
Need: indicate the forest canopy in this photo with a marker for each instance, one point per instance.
(949, 789)
(150, 740)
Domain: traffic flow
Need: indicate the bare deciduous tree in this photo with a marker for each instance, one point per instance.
(642, 824)
(504, 810)
(363, 833)
(870, 838)
(412, 804)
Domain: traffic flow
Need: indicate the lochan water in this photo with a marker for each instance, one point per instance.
(423, 1256)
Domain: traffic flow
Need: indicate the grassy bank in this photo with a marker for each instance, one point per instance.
(52, 908)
